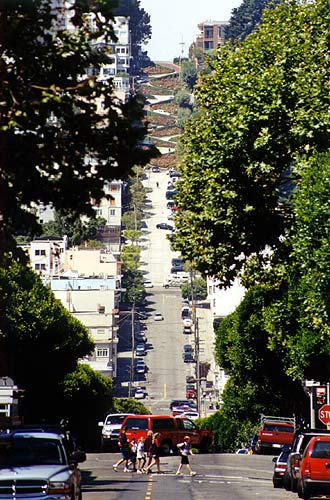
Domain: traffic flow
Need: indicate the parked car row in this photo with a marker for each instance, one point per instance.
(304, 467)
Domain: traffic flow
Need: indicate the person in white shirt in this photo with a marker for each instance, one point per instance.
(141, 456)
(185, 450)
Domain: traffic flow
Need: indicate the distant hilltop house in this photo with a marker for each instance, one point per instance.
(212, 35)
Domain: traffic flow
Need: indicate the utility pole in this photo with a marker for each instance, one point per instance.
(181, 55)
(131, 380)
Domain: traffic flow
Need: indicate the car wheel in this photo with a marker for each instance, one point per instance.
(166, 447)
(303, 491)
(293, 485)
(277, 484)
(205, 446)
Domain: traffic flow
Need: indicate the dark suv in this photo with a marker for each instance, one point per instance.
(301, 440)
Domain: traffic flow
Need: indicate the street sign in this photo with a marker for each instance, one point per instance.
(324, 414)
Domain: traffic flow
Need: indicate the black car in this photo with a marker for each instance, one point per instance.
(188, 357)
(163, 225)
(155, 168)
(280, 466)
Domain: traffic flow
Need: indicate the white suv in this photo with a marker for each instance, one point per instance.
(110, 430)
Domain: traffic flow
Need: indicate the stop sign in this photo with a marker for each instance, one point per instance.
(324, 414)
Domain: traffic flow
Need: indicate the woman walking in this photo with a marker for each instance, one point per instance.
(148, 447)
(125, 451)
(185, 450)
(155, 449)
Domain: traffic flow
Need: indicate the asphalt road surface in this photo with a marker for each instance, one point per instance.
(219, 477)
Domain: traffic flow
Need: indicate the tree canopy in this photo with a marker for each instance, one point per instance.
(62, 133)
(264, 106)
(246, 17)
(40, 340)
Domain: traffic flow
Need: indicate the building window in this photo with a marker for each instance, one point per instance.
(102, 352)
(40, 252)
(100, 331)
(208, 32)
(98, 212)
(40, 267)
(112, 211)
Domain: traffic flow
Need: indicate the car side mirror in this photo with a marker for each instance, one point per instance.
(77, 456)
(100, 424)
(274, 459)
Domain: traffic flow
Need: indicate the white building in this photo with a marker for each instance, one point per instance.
(95, 303)
(223, 302)
(47, 255)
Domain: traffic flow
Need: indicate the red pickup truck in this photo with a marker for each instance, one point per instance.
(172, 429)
(274, 432)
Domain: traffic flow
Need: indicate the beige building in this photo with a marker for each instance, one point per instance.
(91, 262)
(212, 35)
(95, 303)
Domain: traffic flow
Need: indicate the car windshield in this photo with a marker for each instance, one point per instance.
(278, 428)
(114, 419)
(24, 451)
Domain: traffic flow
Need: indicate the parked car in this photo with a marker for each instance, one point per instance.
(158, 316)
(110, 431)
(187, 330)
(178, 410)
(140, 366)
(170, 204)
(280, 466)
(185, 312)
(188, 348)
(148, 284)
(190, 379)
(190, 414)
(242, 451)
(37, 465)
(164, 225)
(301, 440)
(314, 471)
(170, 193)
(140, 337)
(191, 391)
(187, 322)
(140, 393)
(155, 168)
(180, 402)
(188, 357)
(140, 349)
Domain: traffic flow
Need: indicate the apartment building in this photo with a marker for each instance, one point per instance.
(212, 34)
(95, 303)
(47, 255)
(222, 302)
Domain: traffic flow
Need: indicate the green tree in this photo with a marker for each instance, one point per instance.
(88, 393)
(264, 106)
(182, 98)
(40, 340)
(246, 18)
(198, 289)
(188, 74)
(126, 405)
(58, 146)
(77, 231)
